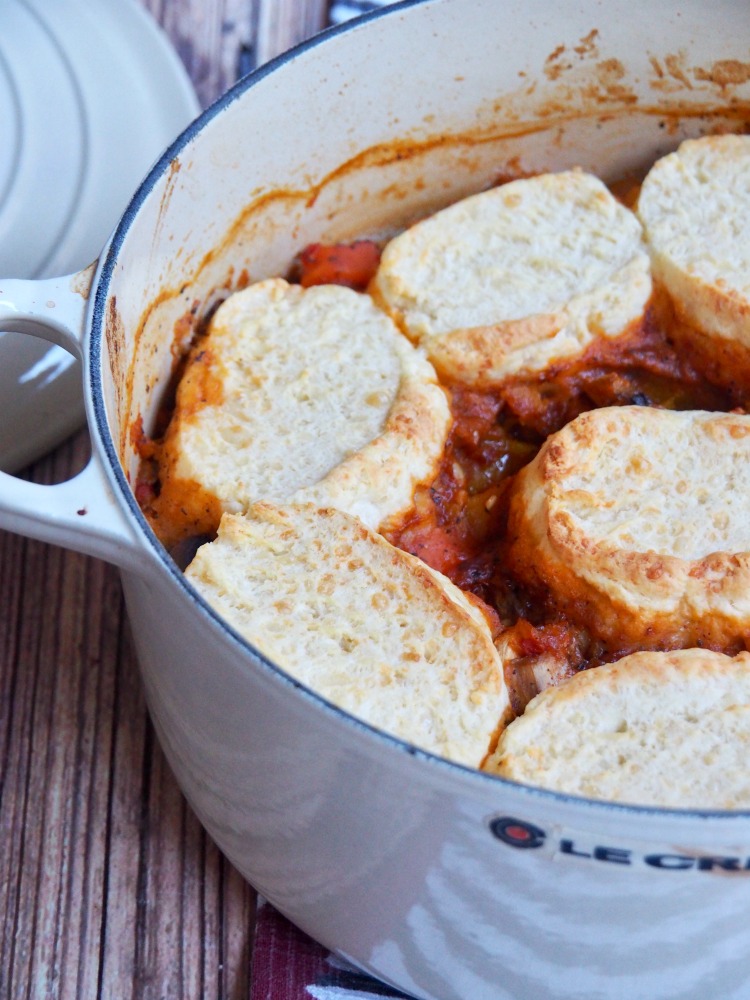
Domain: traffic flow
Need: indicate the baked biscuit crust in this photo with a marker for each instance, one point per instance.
(660, 729)
(305, 394)
(693, 206)
(628, 532)
(365, 625)
(513, 279)
(633, 522)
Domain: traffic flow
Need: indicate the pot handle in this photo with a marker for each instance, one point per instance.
(81, 513)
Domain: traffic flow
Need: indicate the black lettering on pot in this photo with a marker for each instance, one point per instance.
(517, 832)
(617, 854)
(673, 862)
(725, 864)
(568, 847)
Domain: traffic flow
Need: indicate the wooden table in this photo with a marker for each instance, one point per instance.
(109, 887)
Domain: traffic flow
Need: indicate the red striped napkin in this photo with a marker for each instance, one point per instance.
(289, 965)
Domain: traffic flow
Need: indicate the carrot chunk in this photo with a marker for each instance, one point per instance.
(350, 264)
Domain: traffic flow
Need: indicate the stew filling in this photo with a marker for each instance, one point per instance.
(458, 522)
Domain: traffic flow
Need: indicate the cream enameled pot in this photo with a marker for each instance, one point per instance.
(442, 881)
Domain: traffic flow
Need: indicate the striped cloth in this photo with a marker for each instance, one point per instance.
(289, 965)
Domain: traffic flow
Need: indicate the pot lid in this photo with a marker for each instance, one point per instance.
(91, 92)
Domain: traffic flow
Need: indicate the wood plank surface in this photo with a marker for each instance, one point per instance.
(220, 40)
(109, 887)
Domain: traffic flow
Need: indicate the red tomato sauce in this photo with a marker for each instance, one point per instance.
(458, 522)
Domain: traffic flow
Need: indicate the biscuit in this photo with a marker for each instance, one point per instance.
(300, 394)
(511, 280)
(365, 625)
(634, 523)
(693, 206)
(658, 729)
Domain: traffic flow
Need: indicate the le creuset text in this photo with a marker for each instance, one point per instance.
(527, 836)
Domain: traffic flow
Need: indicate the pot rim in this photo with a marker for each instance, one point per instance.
(480, 780)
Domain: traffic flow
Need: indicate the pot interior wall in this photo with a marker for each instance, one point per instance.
(457, 95)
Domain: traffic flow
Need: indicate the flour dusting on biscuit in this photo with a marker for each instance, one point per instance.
(657, 729)
(634, 522)
(694, 205)
(513, 279)
(362, 623)
(296, 390)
